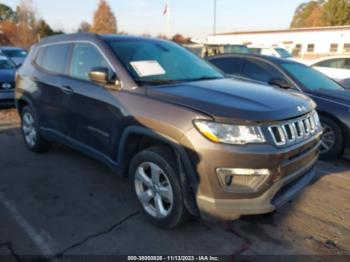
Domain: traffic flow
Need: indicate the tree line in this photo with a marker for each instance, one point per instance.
(322, 13)
(23, 27)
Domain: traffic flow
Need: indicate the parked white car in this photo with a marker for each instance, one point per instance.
(270, 51)
(336, 67)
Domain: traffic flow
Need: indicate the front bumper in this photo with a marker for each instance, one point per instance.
(291, 171)
(7, 98)
(278, 194)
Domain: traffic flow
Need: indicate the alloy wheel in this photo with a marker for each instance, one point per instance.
(154, 190)
(328, 139)
(29, 131)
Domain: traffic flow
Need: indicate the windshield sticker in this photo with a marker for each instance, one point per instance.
(148, 68)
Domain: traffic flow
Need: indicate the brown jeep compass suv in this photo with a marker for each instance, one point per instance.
(190, 140)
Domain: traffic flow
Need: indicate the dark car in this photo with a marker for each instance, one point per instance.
(190, 140)
(333, 101)
(7, 82)
(16, 54)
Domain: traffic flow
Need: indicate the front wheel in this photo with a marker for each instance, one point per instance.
(157, 187)
(332, 139)
(30, 131)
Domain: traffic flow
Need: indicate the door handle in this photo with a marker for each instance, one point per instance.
(67, 89)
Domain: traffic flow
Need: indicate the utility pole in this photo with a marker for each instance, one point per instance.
(214, 29)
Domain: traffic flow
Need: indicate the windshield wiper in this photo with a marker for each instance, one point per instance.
(157, 82)
(203, 78)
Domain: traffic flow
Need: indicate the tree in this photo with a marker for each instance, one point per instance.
(180, 39)
(26, 33)
(104, 21)
(43, 29)
(335, 13)
(6, 13)
(8, 32)
(84, 27)
(322, 13)
(307, 15)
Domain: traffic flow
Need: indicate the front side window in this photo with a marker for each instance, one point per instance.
(152, 62)
(310, 78)
(260, 71)
(53, 58)
(85, 57)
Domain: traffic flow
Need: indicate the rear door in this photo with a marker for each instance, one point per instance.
(94, 114)
(52, 95)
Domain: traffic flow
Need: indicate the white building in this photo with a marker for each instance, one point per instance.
(302, 42)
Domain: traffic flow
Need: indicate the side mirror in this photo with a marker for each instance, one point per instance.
(280, 82)
(99, 75)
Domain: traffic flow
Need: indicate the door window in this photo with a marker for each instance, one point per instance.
(53, 58)
(85, 57)
(332, 63)
(231, 66)
(260, 71)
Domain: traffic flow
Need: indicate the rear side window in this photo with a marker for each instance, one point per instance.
(260, 71)
(231, 66)
(53, 58)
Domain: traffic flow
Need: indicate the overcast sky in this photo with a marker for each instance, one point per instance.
(190, 17)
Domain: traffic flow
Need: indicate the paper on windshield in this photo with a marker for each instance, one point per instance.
(148, 68)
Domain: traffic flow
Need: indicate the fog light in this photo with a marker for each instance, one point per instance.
(242, 180)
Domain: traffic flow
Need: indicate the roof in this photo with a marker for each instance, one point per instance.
(290, 30)
(89, 37)
(273, 59)
(11, 48)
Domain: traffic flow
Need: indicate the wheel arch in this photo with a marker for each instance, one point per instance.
(338, 122)
(136, 138)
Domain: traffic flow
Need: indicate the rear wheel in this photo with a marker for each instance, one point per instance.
(30, 131)
(157, 187)
(332, 139)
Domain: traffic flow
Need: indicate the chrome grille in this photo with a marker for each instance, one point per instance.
(295, 130)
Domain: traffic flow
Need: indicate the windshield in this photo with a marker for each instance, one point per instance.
(159, 62)
(310, 78)
(6, 64)
(283, 52)
(237, 49)
(15, 52)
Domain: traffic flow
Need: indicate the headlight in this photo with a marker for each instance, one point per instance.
(230, 134)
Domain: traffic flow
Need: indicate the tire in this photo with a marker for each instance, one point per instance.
(332, 140)
(31, 133)
(163, 203)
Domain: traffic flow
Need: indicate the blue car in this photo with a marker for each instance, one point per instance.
(7, 81)
(332, 99)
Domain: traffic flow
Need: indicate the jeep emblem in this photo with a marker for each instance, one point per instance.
(301, 108)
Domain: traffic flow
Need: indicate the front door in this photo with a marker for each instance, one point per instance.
(94, 111)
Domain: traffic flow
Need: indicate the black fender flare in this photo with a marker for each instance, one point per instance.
(188, 177)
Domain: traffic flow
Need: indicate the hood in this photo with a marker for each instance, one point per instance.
(7, 75)
(336, 96)
(230, 99)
